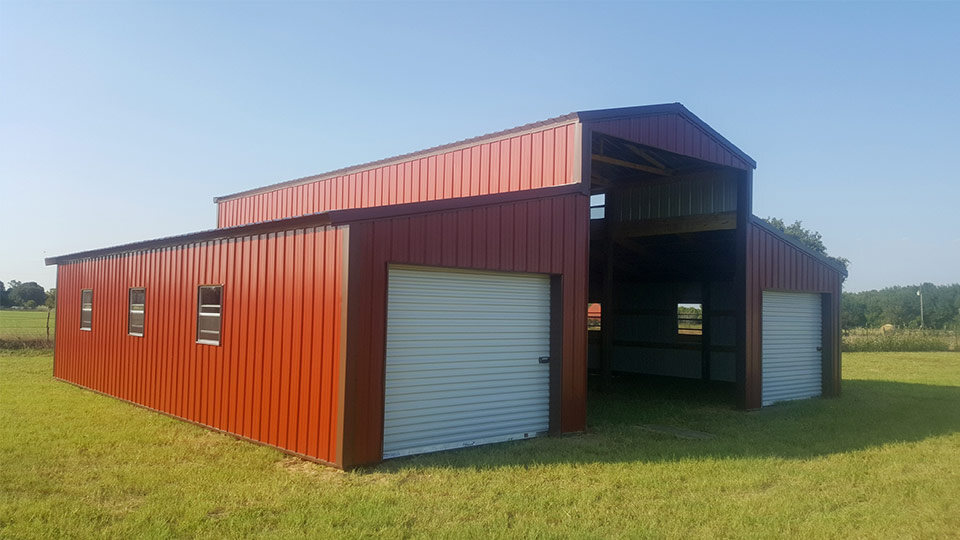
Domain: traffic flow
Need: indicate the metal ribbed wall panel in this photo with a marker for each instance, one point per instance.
(684, 197)
(462, 358)
(525, 161)
(547, 236)
(792, 361)
(775, 264)
(671, 132)
(274, 379)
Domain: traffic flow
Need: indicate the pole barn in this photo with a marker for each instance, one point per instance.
(438, 299)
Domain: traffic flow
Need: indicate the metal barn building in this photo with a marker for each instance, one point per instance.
(439, 299)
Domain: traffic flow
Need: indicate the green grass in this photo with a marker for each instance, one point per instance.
(882, 461)
(25, 325)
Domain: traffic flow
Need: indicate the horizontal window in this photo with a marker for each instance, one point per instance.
(86, 309)
(136, 308)
(209, 308)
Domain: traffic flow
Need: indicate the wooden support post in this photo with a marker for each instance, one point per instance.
(607, 311)
(705, 312)
(607, 307)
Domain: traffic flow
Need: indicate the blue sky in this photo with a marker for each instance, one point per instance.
(120, 121)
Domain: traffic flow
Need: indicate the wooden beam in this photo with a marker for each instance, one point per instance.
(677, 225)
(678, 345)
(646, 156)
(631, 165)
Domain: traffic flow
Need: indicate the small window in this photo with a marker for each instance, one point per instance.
(598, 204)
(690, 319)
(593, 317)
(209, 308)
(86, 309)
(137, 301)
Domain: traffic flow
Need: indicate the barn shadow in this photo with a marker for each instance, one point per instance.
(869, 414)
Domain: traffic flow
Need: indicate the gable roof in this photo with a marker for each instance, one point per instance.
(598, 118)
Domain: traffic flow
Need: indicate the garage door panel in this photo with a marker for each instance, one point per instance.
(435, 386)
(399, 419)
(792, 330)
(474, 392)
(461, 437)
(440, 370)
(463, 351)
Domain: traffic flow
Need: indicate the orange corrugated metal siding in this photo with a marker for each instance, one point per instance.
(548, 235)
(274, 378)
(526, 161)
(773, 263)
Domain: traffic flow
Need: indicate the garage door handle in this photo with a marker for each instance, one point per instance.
(544, 359)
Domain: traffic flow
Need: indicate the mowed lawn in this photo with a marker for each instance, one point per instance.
(26, 324)
(882, 461)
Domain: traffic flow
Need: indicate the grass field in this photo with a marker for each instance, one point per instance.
(25, 324)
(882, 461)
(900, 340)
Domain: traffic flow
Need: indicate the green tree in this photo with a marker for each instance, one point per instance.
(807, 237)
(3, 295)
(51, 299)
(900, 306)
(21, 293)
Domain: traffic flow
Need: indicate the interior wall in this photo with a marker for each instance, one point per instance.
(646, 340)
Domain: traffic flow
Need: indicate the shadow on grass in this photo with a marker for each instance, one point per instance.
(869, 414)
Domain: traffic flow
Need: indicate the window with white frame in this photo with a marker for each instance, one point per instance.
(209, 309)
(86, 309)
(135, 311)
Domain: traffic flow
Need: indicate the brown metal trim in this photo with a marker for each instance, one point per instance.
(344, 342)
(350, 363)
(585, 148)
(556, 354)
(829, 352)
(198, 424)
(403, 158)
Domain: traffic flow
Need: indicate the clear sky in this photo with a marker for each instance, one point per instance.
(120, 121)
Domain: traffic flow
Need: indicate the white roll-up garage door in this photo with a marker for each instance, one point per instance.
(792, 338)
(463, 358)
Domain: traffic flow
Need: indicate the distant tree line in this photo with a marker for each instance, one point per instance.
(900, 306)
(27, 295)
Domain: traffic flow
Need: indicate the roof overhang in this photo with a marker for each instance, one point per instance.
(333, 217)
(586, 117)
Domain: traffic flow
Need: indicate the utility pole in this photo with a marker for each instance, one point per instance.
(920, 294)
